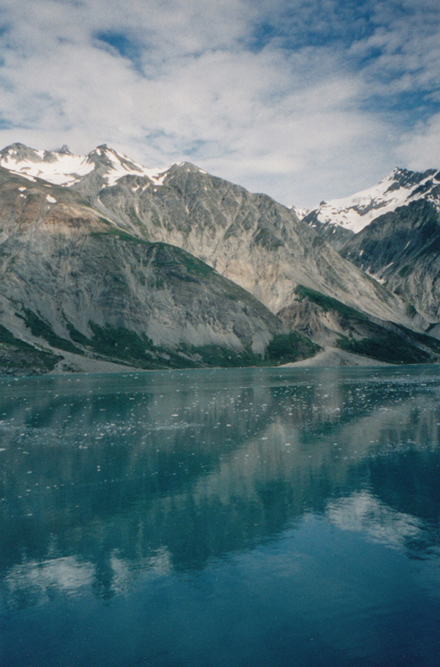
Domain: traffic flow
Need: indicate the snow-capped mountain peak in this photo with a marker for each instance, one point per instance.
(61, 167)
(120, 165)
(397, 189)
(58, 167)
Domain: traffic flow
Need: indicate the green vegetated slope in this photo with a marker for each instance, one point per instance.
(16, 356)
(331, 322)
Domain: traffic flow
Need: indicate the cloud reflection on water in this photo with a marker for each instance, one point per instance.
(164, 473)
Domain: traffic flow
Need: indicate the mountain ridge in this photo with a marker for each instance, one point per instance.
(398, 188)
(225, 231)
(79, 290)
(182, 266)
(392, 232)
(338, 220)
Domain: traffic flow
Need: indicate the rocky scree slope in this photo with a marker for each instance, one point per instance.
(75, 287)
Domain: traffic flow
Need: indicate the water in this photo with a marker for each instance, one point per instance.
(256, 517)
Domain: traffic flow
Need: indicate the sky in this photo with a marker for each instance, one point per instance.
(305, 100)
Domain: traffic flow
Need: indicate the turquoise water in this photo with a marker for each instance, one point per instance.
(226, 518)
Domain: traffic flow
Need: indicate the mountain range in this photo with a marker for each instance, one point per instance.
(105, 264)
(391, 232)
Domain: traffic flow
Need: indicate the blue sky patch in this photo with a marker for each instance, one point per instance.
(126, 46)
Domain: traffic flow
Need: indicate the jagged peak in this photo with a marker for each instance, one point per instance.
(401, 170)
(64, 150)
(15, 146)
(398, 188)
(62, 167)
(104, 148)
(186, 166)
(18, 152)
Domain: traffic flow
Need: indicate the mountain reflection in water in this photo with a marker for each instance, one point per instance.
(111, 482)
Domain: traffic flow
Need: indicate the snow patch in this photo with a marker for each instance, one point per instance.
(374, 276)
(19, 173)
(359, 210)
(123, 166)
(65, 170)
(300, 212)
(61, 168)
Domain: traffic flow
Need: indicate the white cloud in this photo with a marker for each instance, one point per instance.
(421, 147)
(174, 80)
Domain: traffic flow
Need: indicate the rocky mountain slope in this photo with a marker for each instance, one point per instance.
(75, 287)
(338, 220)
(336, 326)
(248, 238)
(392, 232)
(103, 261)
(402, 250)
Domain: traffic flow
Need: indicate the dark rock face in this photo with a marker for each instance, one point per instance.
(405, 178)
(402, 249)
(335, 235)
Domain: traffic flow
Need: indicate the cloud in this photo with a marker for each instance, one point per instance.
(303, 100)
(421, 147)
